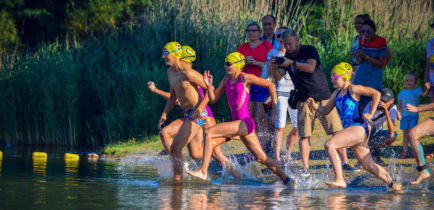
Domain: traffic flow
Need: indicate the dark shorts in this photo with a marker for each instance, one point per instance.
(258, 93)
(378, 136)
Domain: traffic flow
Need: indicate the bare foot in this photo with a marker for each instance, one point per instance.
(397, 186)
(422, 175)
(336, 184)
(198, 174)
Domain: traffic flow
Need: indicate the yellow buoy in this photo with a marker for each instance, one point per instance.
(70, 156)
(39, 155)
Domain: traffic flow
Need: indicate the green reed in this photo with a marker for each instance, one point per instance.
(94, 92)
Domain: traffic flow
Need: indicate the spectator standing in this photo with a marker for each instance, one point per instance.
(305, 67)
(372, 59)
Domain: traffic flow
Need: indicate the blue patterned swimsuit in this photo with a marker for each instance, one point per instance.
(349, 111)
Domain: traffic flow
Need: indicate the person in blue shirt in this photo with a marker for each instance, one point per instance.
(410, 95)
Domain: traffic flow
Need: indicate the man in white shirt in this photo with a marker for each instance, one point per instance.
(386, 114)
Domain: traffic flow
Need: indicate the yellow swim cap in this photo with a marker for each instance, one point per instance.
(174, 48)
(236, 59)
(344, 69)
(188, 54)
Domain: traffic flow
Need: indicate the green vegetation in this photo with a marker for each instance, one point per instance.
(90, 89)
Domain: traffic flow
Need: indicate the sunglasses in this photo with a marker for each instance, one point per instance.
(365, 31)
(278, 35)
(251, 30)
(335, 77)
(227, 63)
(166, 53)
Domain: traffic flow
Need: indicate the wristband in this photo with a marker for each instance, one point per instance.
(294, 64)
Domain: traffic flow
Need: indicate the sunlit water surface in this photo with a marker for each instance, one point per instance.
(144, 182)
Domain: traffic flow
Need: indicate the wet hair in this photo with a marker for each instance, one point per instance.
(274, 19)
(364, 17)
(289, 33)
(253, 23)
(412, 73)
(371, 24)
(282, 27)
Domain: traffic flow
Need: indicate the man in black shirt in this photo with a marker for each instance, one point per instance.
(304, 65)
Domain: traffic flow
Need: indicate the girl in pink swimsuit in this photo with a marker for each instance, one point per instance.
(236, 85)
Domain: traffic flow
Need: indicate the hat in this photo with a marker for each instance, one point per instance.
(344, 69)
(188, 54)
(386, 94)
(174, 48)
(236, 59)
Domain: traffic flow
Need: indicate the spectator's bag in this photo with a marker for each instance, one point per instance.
(292, 100)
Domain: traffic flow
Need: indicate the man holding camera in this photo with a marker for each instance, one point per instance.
(386, 113)
(303, 63)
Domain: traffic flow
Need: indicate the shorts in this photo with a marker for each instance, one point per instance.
(306, 119)
(378, 136)
(282, 108)
(408, 122)
(258, 93)
(200, 121)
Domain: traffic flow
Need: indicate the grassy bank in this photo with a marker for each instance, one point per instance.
(94, 93)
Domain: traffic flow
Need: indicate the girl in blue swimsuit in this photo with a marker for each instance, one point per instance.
(356, 127)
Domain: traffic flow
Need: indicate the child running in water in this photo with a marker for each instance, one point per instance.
(236, 85)
(410, 95)
(356, 131)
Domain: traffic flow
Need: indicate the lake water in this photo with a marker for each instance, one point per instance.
(134, 182)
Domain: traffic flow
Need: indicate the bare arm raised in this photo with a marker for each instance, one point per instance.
(359, 90)
(324, 110)
(214, 95)
(254, 80)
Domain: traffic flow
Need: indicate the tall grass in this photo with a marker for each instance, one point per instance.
(93, 93)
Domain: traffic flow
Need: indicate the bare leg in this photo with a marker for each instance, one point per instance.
(252, 143)
(305, 150)
(350, 136)
(218, 154)
(343, 155)
(227, 129)
(364, 156)
(290, 142)
(424, 128)
(405, 141)
(188, 130)
(167, 133)
(278, 142)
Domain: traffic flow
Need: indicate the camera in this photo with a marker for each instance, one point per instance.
(279, 60)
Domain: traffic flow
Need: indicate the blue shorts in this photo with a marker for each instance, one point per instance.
(378, 136)
(258, 93)
(408, 122)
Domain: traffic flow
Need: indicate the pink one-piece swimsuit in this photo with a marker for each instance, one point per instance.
(238, 99)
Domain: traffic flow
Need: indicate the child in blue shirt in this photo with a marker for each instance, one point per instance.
(410, 95)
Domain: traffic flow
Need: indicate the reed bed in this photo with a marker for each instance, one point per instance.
(94, 92)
